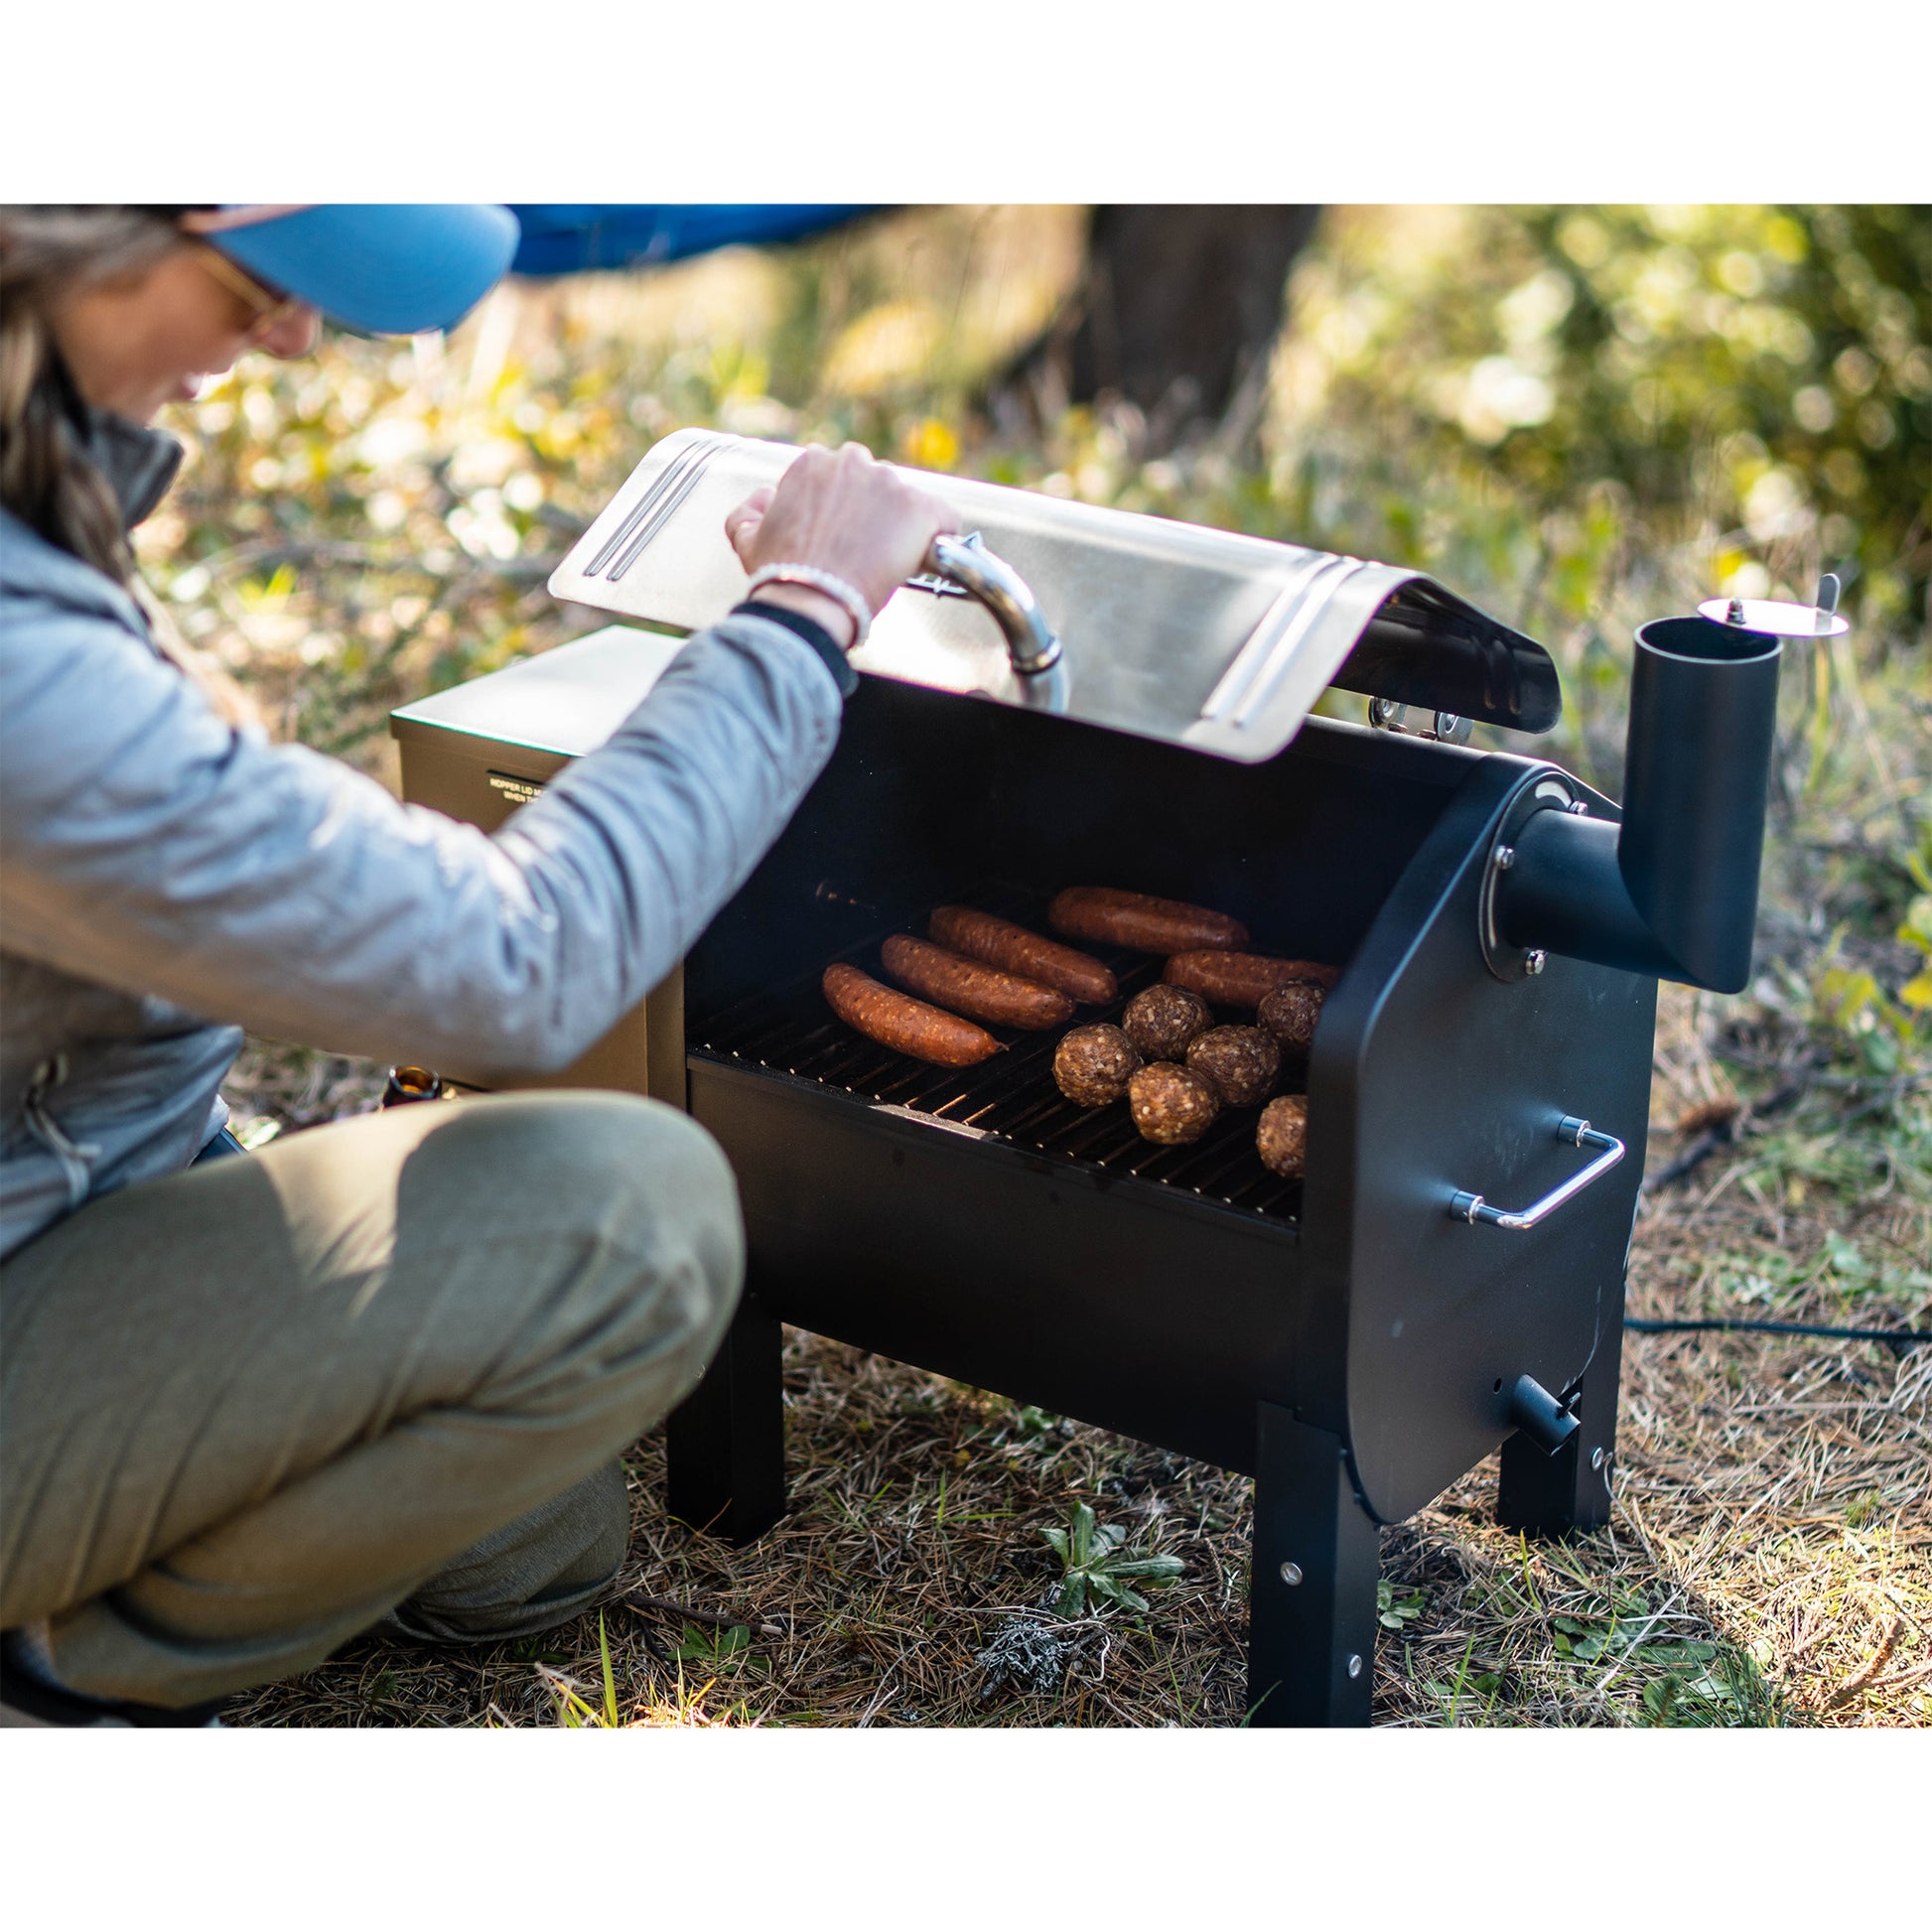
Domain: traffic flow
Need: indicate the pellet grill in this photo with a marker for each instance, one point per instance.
(1080, 696)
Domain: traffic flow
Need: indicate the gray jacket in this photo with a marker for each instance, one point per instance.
(166, 881)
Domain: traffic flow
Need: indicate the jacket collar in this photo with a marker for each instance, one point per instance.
(139, 463)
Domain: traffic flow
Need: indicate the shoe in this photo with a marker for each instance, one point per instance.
(26, 1701)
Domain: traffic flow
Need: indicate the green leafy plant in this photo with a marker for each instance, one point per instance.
(1397, 1609)
(1724, 1692)
(1872, 1031)
(1685, 1681)
(1096, 1566)
(697, 1646)
(1585, 1639)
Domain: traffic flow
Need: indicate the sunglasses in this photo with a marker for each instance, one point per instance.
(270, 308)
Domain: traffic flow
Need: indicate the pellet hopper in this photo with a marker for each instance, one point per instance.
(1080, 696)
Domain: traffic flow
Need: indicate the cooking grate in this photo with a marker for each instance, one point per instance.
(1011, 1097)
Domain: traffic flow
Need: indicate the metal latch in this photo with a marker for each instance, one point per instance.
(1414, 721)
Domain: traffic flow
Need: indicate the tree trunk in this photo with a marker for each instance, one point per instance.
(1176, 313)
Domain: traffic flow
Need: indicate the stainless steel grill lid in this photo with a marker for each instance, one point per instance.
(1170, 632)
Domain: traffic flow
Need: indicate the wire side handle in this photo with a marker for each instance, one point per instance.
(1465, 1207)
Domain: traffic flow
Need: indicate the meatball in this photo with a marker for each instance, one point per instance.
(1239, 1062)
(1171, 1105)
(1290, 1013)
(1282, 1138)
(1161, 1020)
(1093, 1065)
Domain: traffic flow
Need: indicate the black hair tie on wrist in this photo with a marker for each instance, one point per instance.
(810, 632)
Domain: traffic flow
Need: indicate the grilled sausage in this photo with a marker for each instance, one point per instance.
(1171, 1105)
(971, 986)
(1146, 924)
(1015, 950)
(1093, 1064)
(1241, 1063)
(1161, 1020)
(1290, 1013)
(1281, 1135)
(1241, 979)
(907, 1026)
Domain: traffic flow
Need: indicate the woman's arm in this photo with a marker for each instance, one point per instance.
(151, 848)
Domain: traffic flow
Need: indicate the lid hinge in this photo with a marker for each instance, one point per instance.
(1414, 721)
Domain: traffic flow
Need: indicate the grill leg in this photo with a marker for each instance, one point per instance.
(725, 1442)
(1303, 1637)
(1557, 1496)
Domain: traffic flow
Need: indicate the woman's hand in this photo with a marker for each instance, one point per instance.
(840, 511)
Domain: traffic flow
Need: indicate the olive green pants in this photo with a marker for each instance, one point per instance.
(380, 1369)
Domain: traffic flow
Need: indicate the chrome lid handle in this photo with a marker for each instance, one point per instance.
(1469, 1207)
(1032, 644)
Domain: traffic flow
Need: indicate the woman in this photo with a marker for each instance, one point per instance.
(380, 1371)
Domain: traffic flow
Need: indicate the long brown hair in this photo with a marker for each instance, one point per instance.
(47, 477)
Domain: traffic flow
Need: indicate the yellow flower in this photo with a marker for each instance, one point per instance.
(931, 443)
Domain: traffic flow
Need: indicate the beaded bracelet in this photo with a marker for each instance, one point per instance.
(814, 579)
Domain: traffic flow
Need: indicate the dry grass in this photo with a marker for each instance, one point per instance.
(1769, 1561)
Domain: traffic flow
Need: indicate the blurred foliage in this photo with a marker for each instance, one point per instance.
(1769, 369)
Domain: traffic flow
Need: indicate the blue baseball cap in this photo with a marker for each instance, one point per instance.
(385, 268)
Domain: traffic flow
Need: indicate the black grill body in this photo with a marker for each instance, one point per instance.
(1356, 1340)
(1343, 1340)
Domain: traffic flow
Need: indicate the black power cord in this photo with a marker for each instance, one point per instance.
(1899, 1338)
